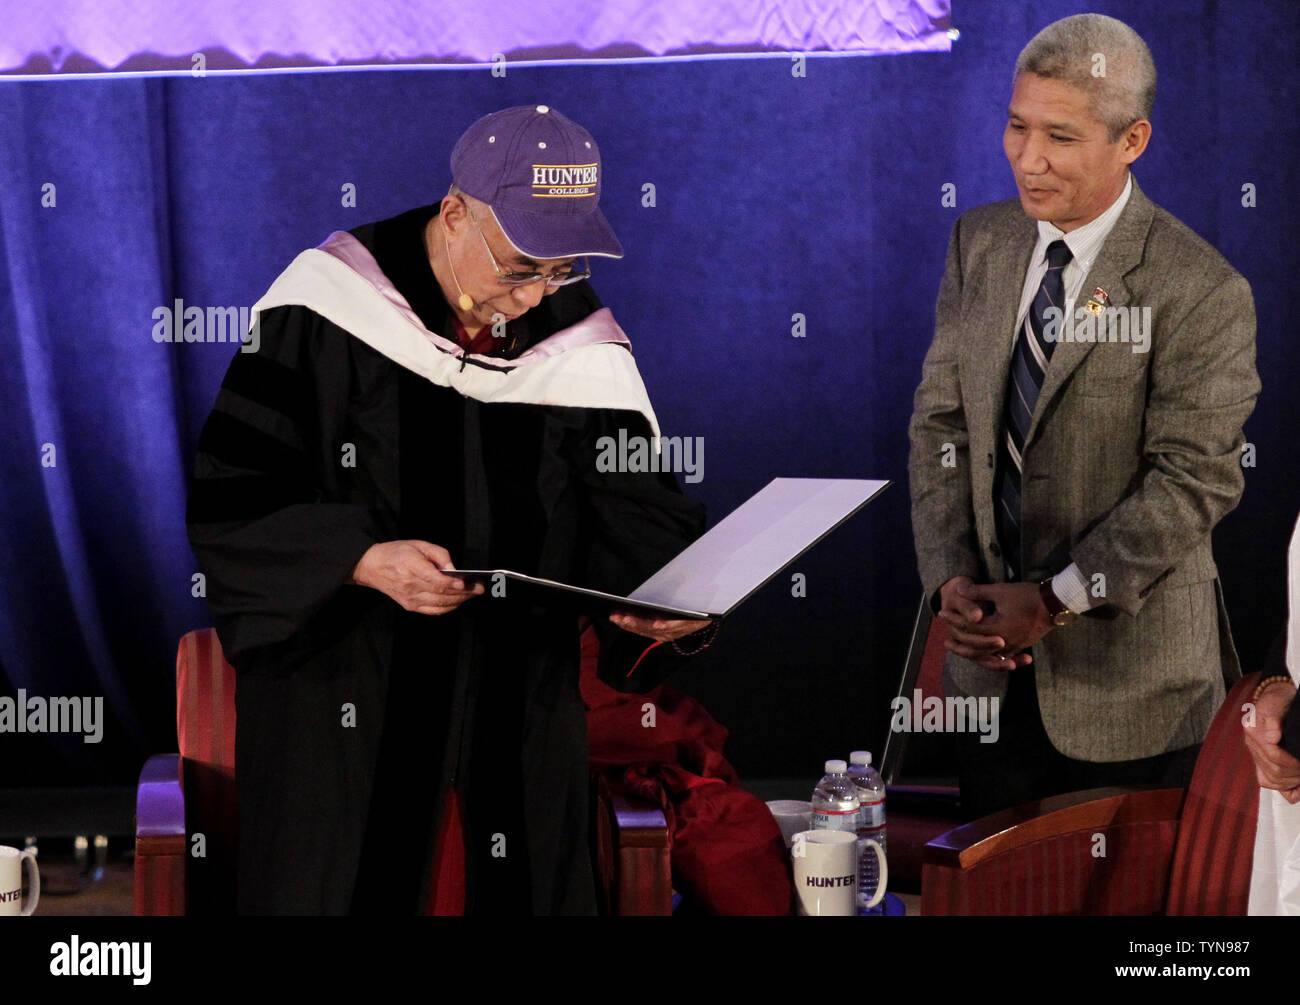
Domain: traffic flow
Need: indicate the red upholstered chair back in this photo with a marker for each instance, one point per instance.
(205, 701)
(1216, 838)
(930, 676)
(205, 725)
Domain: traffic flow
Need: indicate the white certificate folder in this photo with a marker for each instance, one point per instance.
(753, 543)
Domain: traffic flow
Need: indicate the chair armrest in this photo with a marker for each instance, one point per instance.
(633, 853)
(640, 824)
(1071, 854)
(160, 838)
(967, 846)
(160, 799)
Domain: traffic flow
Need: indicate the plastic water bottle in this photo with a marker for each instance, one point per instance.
(835, 802)
(871, 822)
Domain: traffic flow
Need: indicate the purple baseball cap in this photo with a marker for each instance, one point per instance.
(540, 173)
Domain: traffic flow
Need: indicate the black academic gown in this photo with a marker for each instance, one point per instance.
(354, 716)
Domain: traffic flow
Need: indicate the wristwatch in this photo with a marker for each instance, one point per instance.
(1059, 614)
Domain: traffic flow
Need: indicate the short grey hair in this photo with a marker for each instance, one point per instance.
(469, 200)
(1067, 51)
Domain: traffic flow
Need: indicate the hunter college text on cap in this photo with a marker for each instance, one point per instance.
(540, 173)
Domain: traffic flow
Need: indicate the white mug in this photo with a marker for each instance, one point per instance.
(12, 864)
(826, 872)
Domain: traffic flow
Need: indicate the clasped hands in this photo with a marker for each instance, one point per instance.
(992, 624)
(422, 578)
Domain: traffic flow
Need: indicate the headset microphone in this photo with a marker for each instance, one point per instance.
(464, 301)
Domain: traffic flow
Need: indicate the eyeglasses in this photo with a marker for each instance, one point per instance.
(524, 278)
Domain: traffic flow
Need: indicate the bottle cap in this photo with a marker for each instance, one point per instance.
(836, 767)
(860, 757)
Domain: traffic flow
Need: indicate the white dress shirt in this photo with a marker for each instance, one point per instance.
(1275, 875)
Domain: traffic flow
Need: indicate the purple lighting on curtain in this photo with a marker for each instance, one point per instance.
(71, 36)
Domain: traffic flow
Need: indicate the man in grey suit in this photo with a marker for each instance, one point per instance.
(1076, 436)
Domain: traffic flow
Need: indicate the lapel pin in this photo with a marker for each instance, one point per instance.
(1098, 302)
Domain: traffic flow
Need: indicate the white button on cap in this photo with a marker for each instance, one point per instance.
(541, 146)
(543, 109)
(492, 139)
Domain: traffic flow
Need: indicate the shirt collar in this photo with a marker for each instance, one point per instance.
(1086, 241)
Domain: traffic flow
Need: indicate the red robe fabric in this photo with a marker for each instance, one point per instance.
(728, 856)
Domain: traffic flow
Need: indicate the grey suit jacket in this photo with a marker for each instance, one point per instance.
(1131, 460)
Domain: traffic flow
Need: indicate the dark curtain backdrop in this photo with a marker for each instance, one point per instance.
(776, 195)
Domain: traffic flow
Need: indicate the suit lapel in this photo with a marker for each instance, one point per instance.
(1119, 255)
(989, 359)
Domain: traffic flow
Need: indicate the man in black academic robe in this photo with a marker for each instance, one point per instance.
(374, 436)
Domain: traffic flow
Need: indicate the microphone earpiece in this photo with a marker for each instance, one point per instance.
(463, 301)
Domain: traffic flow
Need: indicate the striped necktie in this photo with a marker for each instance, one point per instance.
(1028, 365)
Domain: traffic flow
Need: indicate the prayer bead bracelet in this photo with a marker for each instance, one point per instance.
(1276, 679)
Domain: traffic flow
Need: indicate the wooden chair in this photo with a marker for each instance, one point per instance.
(192, 794)
(633, 871)
(1113, 851)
